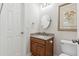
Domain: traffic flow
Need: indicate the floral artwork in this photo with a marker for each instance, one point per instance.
(67, 17)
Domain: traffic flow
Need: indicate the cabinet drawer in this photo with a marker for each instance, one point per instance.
(37, 40)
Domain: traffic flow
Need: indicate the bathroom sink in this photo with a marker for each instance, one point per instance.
(42, 35)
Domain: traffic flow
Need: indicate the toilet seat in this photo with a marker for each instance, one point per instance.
(62, 54)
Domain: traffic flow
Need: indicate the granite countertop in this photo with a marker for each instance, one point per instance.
(44, 36)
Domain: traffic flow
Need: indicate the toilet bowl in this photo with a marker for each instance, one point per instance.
(68, 48)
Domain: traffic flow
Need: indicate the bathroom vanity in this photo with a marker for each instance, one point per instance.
(42, 44)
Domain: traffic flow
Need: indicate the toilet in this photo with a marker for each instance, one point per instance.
(68, 48)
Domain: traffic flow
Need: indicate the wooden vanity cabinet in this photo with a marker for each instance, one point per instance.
(41, 47)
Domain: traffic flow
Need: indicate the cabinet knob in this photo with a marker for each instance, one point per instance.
(51, 41)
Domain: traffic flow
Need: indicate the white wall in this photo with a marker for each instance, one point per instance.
(31, 21)
(52, 11)
(33, 16)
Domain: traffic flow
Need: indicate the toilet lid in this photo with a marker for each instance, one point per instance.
(63, 54)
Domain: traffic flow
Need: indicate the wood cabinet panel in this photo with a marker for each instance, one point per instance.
(41, 50)
(40, 47)
(34, 47)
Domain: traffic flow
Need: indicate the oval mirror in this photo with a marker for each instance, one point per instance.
(45, 21)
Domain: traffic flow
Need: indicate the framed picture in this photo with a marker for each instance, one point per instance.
(67, 17)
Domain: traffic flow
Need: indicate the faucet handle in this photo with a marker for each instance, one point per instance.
(78, 41)
(75, 41)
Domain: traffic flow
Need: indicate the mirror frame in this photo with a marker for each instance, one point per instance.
(46, 20)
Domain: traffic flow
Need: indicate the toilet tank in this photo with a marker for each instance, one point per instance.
(68, 47)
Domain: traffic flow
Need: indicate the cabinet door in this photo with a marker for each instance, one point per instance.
(49, 47)
(34, 49)
(41, 50)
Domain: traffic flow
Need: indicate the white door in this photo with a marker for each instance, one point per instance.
(11, 39)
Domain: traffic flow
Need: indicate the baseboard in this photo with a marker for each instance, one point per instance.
(29, 54)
